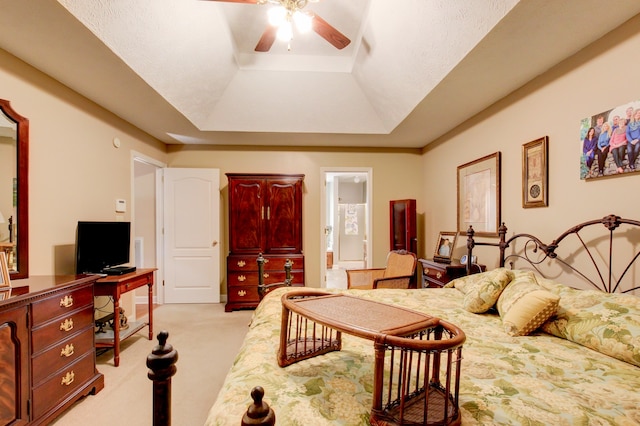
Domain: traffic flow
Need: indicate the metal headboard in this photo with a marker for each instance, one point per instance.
(534, 252)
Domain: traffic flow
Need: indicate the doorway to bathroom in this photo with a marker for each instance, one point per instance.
(345, 223)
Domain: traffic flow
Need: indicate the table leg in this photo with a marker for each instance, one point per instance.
(116, 331)
(150, 307)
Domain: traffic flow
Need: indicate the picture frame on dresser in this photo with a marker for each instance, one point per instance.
(5, 280)
(535, 173)
(444, 246)
(479, 196)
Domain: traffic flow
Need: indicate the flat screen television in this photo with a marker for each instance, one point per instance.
(101, 247)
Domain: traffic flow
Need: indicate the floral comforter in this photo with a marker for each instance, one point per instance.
(534, 380)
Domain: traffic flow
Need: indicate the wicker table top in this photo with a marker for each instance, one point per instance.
(357, 316)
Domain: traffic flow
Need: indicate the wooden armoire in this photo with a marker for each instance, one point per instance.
(265, 216)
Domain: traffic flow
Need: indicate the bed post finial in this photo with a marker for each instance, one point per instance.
(162, 366)
(259, 413)
(470, 245)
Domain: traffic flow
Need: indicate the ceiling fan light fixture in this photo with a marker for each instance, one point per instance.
(303, 21)
(285, 32)
(277, 16)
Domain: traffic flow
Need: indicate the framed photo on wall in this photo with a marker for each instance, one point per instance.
(535, 173)
(479, 195)
(444, 246)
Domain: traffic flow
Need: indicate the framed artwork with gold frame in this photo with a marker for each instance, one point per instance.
(535, 173)
(479, 196)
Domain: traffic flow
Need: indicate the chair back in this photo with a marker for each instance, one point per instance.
(400, 263)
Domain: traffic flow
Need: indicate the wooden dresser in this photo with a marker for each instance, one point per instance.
(265, 216)
(47, 349)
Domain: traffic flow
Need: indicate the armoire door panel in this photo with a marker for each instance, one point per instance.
(284, 217)
(246, 216)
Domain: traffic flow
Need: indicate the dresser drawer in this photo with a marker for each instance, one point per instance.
(65, 352)
(275, 263)
(60, 304)
(60, 329)
(62, 383)
(242, 263)
(246, 278)
(243, 294)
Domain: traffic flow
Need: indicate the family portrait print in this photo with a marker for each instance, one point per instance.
(610, 142)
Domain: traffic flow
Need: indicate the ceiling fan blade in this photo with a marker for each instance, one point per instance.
(267, 39)
(329, 33)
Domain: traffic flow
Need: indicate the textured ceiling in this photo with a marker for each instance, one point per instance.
(185, 70)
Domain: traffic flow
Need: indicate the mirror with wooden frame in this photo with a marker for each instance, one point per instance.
(14, 190)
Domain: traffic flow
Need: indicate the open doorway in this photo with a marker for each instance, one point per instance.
(147, 236)
(345, 223)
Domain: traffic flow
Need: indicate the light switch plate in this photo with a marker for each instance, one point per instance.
(121, 206)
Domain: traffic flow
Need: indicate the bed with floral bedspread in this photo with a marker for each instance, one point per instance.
(537, 353)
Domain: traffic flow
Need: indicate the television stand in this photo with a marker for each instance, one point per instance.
(119, 270)
(115, 286)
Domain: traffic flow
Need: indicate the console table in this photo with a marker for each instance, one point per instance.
(114, 286)
(417, 380)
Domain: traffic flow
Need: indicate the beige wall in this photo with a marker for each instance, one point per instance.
(396, 175)
(75, 172)
(596, 79)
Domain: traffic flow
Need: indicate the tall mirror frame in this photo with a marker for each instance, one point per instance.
(18, 227)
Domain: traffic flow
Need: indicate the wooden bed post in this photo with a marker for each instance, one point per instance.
(259, 413)
(161, 363)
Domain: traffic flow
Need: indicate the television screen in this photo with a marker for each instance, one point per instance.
(102, 245)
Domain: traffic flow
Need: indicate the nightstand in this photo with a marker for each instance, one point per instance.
(436, 274)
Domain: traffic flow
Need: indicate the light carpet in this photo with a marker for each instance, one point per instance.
(207, 340)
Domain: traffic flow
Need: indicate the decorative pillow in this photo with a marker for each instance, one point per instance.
(607, 323)
(524, 305)
(466, 283)
(481, 291)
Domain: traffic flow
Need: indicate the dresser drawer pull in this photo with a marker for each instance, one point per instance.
(266, 261)
(242, 293)
(266, 275)
(67, 301)
(68, 378)
(242, 278)
(241, 263)
(439, 275)
(67, 351)
(426, 271)
(67, 325)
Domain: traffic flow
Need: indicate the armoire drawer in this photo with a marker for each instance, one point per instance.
(243, 294)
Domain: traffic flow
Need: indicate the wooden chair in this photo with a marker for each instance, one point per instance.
(400, 269)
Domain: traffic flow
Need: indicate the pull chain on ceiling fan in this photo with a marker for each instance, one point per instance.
(287, 13)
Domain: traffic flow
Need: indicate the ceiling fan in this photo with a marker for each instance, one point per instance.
(285, 14)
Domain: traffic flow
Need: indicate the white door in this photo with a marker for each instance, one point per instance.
(191, 235)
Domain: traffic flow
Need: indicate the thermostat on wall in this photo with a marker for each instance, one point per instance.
(121, 206)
